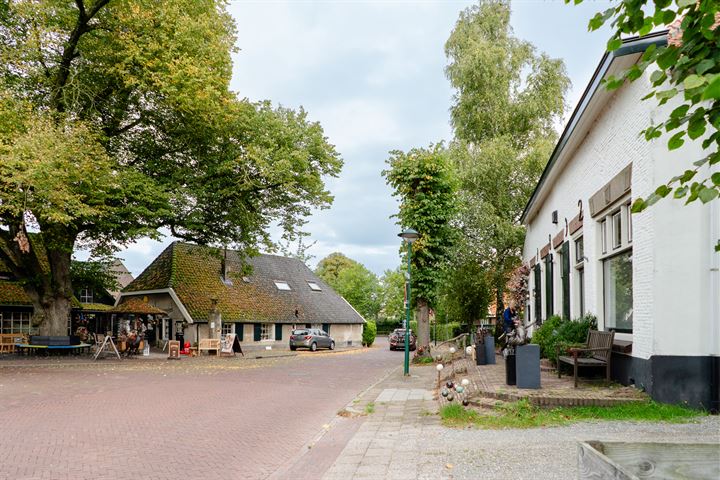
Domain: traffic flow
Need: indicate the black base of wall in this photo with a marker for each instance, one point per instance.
(694, 381)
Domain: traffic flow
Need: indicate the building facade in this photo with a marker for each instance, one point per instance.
(651, 277)
(261, 299)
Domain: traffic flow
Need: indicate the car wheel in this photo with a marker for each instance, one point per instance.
(293, 348)
(313, 347)
(332, 345)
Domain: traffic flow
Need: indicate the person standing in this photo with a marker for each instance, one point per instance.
(509, 317)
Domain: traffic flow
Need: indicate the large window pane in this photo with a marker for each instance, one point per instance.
(617, 282)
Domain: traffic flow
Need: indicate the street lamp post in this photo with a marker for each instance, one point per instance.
(409, 236)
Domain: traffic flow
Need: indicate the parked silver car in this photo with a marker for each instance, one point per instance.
(312, 338)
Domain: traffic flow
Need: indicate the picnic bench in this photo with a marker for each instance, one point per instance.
(208, 344)
(596, 352)
(52, 344)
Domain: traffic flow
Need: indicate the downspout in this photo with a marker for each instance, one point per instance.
(714, 286)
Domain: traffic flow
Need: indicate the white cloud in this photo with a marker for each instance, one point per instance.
(359, 122)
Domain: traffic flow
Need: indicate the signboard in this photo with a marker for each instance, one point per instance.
(174, 349)
(231, 345)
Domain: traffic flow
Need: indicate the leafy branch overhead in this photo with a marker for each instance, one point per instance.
(685, 73)
(116, 121)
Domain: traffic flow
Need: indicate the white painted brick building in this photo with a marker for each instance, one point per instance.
(650, 277)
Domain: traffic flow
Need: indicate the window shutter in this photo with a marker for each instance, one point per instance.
(257, 332)
(326, 327)
(239, 330)
(278, 331)
(566, 279)
(538, 296)
(548, 287)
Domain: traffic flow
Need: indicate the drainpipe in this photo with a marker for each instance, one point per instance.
(714, 286)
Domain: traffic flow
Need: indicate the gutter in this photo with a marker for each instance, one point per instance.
(629, 47)
(170, 291)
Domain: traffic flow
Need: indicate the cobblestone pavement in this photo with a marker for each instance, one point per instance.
(207, 418)
(403, 440)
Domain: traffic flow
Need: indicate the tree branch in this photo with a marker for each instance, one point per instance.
(69, 52)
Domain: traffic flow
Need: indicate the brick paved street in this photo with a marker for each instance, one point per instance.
(197, 418)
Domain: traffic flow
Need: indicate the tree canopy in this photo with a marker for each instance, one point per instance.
(425, 182)
(508, 97)
(358, 285)
(116, 120)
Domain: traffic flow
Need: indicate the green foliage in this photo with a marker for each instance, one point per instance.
(446, 331)
(369, 333)
(466, 293)
(94, 274)
(508, 97)
(329, 268)
(392, 310)
(558, 331)
(522, 414)
(690, 66)
(504, 88)
(424, 180)
(115, 122)
(423, 360)
(384, 327)
(358, 285)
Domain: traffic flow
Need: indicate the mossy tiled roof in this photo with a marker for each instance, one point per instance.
(195, 273)
(95, 307)
(12, 293)
(137, 306)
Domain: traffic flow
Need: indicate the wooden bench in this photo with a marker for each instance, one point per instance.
(8, 341)
(208, 344)
(599, 345)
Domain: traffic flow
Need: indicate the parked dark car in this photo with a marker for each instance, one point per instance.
(397, 339)
(312, 338)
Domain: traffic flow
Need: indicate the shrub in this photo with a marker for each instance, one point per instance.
(387, 325)
(369, 333)
(558, 331)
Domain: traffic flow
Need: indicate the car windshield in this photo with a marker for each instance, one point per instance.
(300, 332)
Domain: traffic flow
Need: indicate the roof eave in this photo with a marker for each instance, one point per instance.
(630, 46)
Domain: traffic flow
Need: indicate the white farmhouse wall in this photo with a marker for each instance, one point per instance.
(675, 289)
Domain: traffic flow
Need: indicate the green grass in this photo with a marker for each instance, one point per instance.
(522, 414)
(425, 360)
(370, 408)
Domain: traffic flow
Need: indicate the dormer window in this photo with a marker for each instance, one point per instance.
(282, 285)
(314, 287)
(86, 295)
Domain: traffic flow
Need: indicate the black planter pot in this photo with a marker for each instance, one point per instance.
(480, 354)
(510, 376)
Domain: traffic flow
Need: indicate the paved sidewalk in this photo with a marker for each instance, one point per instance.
(390, 444)
(403, 440)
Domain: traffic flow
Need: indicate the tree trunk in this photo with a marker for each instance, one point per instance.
(423, 324)
(55, 316)
(52, 293)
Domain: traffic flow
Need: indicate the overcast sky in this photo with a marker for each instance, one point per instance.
(372, 73)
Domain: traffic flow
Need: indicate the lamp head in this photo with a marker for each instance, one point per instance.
(409, 235)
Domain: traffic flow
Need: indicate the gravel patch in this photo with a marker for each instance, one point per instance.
(547, 453)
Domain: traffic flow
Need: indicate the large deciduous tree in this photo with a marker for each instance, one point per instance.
(425, 182)
(116, 120)
(508, 97)
(358, 285)
(686, 72)
(392, 284)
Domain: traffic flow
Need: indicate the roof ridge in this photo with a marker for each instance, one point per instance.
(173, 264)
